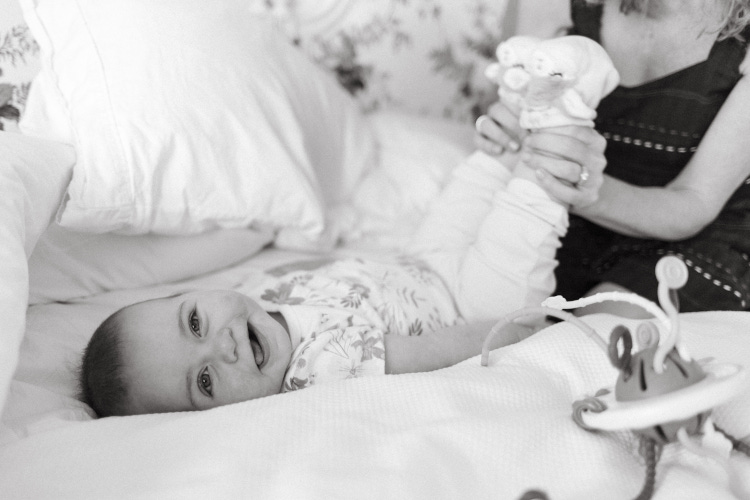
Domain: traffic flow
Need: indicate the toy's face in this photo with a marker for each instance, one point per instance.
(544, 65)
(640, 380)
(643, 383)
(549, 78)
(515, 79)
(508, 56)
(513, 58)
(516, 50)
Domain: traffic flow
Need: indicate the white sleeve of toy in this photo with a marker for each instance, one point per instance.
(511, 263)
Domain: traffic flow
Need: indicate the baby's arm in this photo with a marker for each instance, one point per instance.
(445, 347)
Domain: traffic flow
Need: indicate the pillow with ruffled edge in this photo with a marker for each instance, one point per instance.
(68, 264)
(190, 115)
(33, 177)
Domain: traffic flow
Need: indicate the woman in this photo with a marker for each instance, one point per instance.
(677, 155)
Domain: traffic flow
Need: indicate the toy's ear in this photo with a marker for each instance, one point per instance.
(611, 80)
(516, 50)
(597, 75)
(601, 78)
(575, 107)
(492, 72)
(621, 362)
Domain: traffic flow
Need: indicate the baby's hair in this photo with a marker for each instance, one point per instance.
(734, 21)
(101, 380)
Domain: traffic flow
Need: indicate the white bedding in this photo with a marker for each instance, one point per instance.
(463, 432)
(415, 154)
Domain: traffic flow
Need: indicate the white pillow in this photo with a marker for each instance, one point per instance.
(33, 177)
(189, 115)
(67, 264)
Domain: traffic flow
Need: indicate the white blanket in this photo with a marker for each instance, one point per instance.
(463, 432)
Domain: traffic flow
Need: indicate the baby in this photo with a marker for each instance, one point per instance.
(485, 248)
(315, 324)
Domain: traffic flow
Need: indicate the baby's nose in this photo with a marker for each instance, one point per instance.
(226, 346)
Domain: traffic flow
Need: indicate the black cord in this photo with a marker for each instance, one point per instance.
(648, 449)
(737, 444)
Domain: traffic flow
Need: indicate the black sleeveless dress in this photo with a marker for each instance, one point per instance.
(652, 130)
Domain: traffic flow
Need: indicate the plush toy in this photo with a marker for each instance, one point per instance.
(554, 82)
(510, 73)
(568, 77)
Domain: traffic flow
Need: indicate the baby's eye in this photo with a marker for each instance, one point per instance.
(556, 75)
(195, 323)
(204, 382)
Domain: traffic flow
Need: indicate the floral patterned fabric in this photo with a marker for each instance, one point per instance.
(19, 63)
(339, 310)
(424, 56)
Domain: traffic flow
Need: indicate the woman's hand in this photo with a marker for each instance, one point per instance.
(498, 131)
(569, 162)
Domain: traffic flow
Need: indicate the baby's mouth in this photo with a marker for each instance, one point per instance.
(258, 351)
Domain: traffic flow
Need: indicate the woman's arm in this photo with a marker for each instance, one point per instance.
(693, 199)
(446, 347)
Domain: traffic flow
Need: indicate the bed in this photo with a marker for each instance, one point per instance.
(113, 191)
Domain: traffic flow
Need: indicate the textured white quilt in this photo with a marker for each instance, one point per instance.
(463, 432)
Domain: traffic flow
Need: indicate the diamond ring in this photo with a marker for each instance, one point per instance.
(583, 177)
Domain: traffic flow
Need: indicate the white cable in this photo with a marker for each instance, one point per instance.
(672, 274)
(558, 302)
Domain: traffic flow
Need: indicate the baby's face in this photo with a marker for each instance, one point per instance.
(200, 350)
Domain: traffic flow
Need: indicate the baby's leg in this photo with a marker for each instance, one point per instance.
(451, 224)
(511, 263)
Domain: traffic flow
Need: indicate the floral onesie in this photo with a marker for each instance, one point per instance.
(338, 310)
